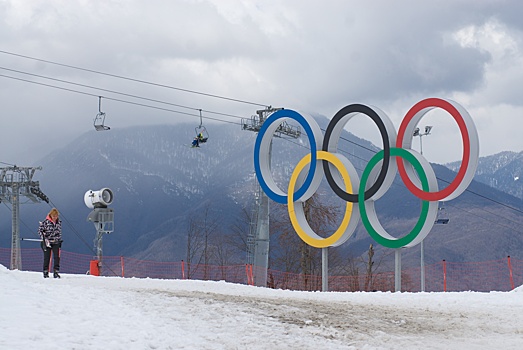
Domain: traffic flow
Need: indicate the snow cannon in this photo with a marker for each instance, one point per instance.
(98, 199)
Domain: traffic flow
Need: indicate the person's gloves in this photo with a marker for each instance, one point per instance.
(47, 243)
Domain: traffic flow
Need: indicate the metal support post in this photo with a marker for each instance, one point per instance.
(16, 258)
(422, 267)
(98, 244)
(261, 244)
(103, 220)
(397, 270)
(417, 132)
(325, 269)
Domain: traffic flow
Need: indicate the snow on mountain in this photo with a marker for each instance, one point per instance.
(502, 171)
(161, 184)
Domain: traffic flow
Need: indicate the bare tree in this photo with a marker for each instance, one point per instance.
(351, 268)
(372, 267)
(320, 217)
(295, 255)
(199, 240)
(194, 242)
(370, 263)
(223, 254)
(239, 232)
(285, 255)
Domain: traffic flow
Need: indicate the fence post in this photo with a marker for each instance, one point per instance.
(444, 275)
(183, 270)
(510, 273)
(123, 265)
(251, 273)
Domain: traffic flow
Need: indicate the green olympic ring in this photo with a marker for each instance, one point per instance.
(428, 210)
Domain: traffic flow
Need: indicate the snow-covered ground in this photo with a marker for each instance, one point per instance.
(87, 312)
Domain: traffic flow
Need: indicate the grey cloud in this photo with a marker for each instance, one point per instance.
(309, 55)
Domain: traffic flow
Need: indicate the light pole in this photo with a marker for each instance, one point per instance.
(417, 132)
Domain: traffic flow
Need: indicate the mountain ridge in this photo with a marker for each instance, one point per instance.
(161, 183)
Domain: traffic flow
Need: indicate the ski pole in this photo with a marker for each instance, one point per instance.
(44, 247)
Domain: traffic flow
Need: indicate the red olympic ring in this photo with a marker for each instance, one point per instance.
(467, 130)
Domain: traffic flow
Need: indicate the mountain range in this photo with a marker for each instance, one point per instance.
(162, 186)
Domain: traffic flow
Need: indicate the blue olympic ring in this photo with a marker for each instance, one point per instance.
(262, 160)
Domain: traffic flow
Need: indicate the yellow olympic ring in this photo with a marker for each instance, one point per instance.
(297, 215)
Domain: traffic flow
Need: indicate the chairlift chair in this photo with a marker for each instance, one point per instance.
(442, 217)
(201, 131)
(99, 120)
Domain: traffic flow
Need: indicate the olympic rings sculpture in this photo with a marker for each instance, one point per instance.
(377, 177)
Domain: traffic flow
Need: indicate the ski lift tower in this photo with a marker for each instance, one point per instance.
(258, 246)
(16, 182)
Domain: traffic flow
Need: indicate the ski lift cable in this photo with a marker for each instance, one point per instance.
(467, 190)
(494, 222)
(117, 100)
(134, 80)
(64, 219)
(477, 194)
(52, 205)
(491, 221)
(215, 119)
(22, 221)
(7, 164)
(35, 234)
(116, 92)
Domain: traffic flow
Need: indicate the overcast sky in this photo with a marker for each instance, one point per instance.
(310, 56)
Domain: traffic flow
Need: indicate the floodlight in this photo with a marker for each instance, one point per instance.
(416, 132)
(98, 199)
(427, 129)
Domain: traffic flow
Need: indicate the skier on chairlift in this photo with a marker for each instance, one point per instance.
(195, 142)
(201, 138)
(201, 133)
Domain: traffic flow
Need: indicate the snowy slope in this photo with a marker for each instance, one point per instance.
(86, 312)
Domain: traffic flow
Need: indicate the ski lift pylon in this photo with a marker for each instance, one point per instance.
(201, 131)
(99, 120)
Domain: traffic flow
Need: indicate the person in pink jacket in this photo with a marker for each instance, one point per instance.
(50, 230)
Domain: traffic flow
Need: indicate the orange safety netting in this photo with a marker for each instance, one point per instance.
(495, 275)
